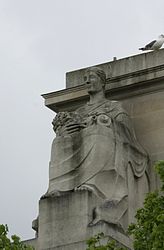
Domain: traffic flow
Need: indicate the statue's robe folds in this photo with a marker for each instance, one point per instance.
(104, 156)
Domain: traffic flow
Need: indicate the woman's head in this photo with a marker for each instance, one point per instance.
(95, 79)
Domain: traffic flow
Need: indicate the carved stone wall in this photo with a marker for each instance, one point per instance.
(138, 83)
(147, 113)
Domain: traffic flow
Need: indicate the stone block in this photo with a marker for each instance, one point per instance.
(124, 66)
(64, 222)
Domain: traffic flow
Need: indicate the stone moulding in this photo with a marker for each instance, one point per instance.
(118, 88)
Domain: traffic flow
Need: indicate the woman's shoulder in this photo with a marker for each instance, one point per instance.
(115, 108)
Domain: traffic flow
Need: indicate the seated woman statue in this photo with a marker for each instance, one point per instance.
(96, 149)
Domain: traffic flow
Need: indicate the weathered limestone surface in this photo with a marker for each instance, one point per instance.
(32, 242)
(147, 113)
(64, 222)
(96, 150)
(127, 77)
(138, 83)
(127, 70)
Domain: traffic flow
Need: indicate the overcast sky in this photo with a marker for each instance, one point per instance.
(41, 40)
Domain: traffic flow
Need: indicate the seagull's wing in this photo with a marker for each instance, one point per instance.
(150, 45)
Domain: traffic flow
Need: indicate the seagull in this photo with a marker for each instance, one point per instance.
(154, 45)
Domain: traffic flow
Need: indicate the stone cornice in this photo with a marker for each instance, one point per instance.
(119, 87)
(139, 73)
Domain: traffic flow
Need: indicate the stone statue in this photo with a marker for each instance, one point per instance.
(96, 149)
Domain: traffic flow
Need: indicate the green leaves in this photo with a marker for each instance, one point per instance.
(148, 231)
(14, 243)
(4, 241)
(100, 242)
(159, 167)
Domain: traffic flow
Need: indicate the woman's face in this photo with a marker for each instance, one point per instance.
(93, 82)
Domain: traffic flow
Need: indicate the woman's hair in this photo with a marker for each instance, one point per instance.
(99, 72)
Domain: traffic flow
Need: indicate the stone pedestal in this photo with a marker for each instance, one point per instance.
(64, 222)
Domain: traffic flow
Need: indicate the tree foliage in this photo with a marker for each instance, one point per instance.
(148, 231)
(100, 242)
(11, 244)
